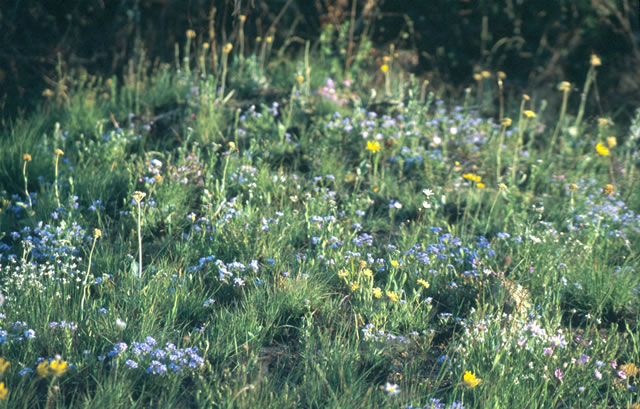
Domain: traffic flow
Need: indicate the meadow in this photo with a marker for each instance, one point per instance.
(243, 229)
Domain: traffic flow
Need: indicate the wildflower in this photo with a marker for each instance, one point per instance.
(384, 68)
(394, 263)
(59, 152)
(506, 122)
(558, 374)
(121, 324)
(526, 97)
(58, 367)
(595, 60)
(367, 273)
(392, 296)
(603, 121)
(485, 74)
(243, 18)
(470, 380)
(43, 369)
(300, 79)
(391, 389)
(423, 283)
(502, 75)
(138, 196)
(597, 374)
(612, 141)
(4, 364)
(564, 86)
(473, 177)
(481, 186)
(373, 146)
(97, 233)
(377, 292)
(227, 48)
(47, 93)
(3, 391)
(355, 286)
(26, 157)
(269, 39)
(343, 274)
(608, 189)
(630, 369)
(529, 113)
(191, 34)
(601, 149)
(573, 187)
(477, 76)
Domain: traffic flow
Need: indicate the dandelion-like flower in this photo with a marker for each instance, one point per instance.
(391, 389)
(477, 76)
(3, 391)
(373, 146)
(470, 380)
(300, 79)
(97, 233)
(191, 34)
(529, 113)
(377, 292)
(602, 150)
(630, 369)
(58, 367)
(473, 177)
(43, 369)
(423, 283)
(506, 122)
(59, 152)
(612, 141)
(595, 60)
(384, 68)
(26, 157)
(393, 296)
(227, 48)
(564, 86)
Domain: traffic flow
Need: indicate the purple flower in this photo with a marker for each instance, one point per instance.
(131, 364)
(622, 374)
(597, 374)
(558, 374)
(583, 359)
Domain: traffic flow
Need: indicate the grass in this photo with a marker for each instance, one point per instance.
(280, 257)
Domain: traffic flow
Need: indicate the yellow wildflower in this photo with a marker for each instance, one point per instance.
(423, 283)
(377, 292)
(47, 93)
(243, 18)
(362, 264)
(612, 141)
(603, 121)
(97, 233)
(506, 122)
(481, 185)
(477, 76)
(43, 369)
(367, 273)
(573, 187)
(343, 273)
(595, 60)
(26, 157)
(300, 79)
(191, 34)
(565, 86)
(4, 364)
(58, 367)
(227, 48)
(59, 152)
(205, 46)
(355, 286)
(394, 263)
(472, 177)
(384, 68)
(373, 146)
(3, 391)
(471, 380)
(485, 74)
(602, 150)
(158, 178)
(502, 75)
(138, 196)
(630, 369)
(393, 296)
(529, 113)
(608, 189)
(526, 97)
(269, 39)
(386, 58)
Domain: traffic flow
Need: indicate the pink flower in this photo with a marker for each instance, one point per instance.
(558, 374)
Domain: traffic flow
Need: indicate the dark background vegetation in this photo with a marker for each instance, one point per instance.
(537, 43)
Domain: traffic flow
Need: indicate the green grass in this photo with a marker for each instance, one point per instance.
(284, 265)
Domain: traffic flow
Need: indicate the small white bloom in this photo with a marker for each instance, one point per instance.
(426, 205)
(427, 192)
(121, 324)
(391, 389)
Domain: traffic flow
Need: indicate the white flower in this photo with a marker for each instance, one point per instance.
(391, 389)
(426, 205)
(427, 192)
(121, 324)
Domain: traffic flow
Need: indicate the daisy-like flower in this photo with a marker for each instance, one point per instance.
(58, 367)
(391, 389)
(373, 146)
(393, 296)
(529, 113)
(377, 292)
(602, 150)
(470, 380)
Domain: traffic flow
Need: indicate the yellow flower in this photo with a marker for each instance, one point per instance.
(300, 79)
(191, 34)
(602, 150)
(367, 273)
(373, 146)
(377, 292)
(477, 76)
(97, 233)
(565, 86)
(423, 283)
(630, 369)
(485, 74)
(526, 97)
(158, 178)
(269, 39)
(502, 75)
(384, 68)
(392, 296)
(506, 122)
(355, 286)
(386, 58)
(227, 48)
(205, 46)
(138, 196)
(472, 177)
(343, 273)
(481, 186)
(43, 369)
(4, 364)
(47, 93)
(59, 152)
(243, 18)
(58, 367)
(612, 141)
(595, 60)
(470, 380)
(603, 121)
(394, 263)
(3, 391)
(573, 187)
(608, 189)
(529, 113)
(26, 157)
